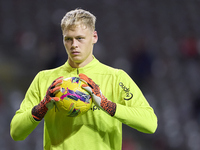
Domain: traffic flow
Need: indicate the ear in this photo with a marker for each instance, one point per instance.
(95, 37)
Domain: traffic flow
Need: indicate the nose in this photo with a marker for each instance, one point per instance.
(74, 43)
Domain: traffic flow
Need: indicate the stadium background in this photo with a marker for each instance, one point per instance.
(156, 42)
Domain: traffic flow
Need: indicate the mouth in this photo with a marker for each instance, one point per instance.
(75, 52)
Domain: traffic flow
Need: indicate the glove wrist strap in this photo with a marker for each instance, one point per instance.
(39, 111)
(108, 106)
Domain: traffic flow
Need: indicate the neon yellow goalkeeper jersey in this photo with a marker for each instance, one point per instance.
(94, 129)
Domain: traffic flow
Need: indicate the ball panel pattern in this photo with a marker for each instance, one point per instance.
(74, 100)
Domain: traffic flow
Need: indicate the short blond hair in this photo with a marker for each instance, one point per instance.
(78, 17)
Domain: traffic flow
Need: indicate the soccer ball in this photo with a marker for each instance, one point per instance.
(74, 100)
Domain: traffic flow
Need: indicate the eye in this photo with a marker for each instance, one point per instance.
(79, 38)
(68, 39)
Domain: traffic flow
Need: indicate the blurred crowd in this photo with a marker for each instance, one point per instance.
(156, 42)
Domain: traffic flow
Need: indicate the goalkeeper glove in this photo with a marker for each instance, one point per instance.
(99, 99)
(39, 111)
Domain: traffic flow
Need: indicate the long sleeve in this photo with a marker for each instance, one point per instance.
(142, 119)
(22, 123)
(133, 109)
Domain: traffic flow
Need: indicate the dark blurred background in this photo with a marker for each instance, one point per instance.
(157, 42)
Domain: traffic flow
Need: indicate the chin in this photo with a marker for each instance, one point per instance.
(77, 60)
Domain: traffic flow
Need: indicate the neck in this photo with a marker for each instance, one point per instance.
(79, 65)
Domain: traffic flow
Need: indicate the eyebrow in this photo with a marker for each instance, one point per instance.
(75, 36)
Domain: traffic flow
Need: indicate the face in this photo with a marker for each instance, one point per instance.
(79, 42)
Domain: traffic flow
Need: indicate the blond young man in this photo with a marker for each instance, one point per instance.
(116, 98)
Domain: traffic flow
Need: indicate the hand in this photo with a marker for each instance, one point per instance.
(99, 99)
(39, 111)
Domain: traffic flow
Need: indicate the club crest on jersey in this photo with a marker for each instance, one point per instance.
(127, 91)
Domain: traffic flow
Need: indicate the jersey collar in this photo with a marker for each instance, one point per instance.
(84, 69)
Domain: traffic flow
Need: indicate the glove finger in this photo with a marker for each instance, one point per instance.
(91, 83)
(83, 77)
(84, 85)
(55, 89)
(87, 88)
(86, 79)
(57, 82)
(56, 99)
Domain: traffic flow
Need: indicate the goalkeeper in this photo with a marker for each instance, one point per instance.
(117, 99)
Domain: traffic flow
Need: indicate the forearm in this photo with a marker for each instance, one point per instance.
(22, 125)
(142, 119)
